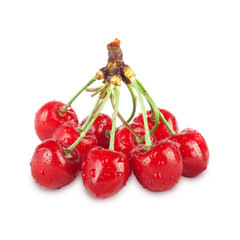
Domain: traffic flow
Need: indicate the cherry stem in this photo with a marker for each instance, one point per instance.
(155, 111)
(125, 123)
(84, 132)
(155, 108)
(90, 115)
(133, 110)
(134, 98)
(100, 89)
(113, 130)
(64, 109)
(140, 99)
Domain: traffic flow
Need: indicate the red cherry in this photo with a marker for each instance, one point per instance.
(161, 132)
(105, 172)
(159, 168)
(68, 133)
(47, 119)
(194, 151)
(50, 166)
(102, 123)
(125, 141)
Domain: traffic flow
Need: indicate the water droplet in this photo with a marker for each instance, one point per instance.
(42, 172)
(161, 162)
(121, 159)
(92, 173)
(157, 176)
(104, 160)
(119, 174)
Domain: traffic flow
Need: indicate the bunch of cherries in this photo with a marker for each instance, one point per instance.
(150, 145)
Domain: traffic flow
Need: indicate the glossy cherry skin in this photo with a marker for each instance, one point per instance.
(194, 151)
(161, 132)
(159, 168)
(47, 119)
(68, 133)
(125, 141)
(50, 166)
(105, 172)
(102, 123)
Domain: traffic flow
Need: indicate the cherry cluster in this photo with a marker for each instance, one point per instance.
(150, 144)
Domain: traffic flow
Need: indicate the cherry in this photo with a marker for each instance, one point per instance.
(68, 133)
(48, 118)
(125, 141)
(161, 132)
(194, 151)
(105, 172)
(51, 167)
(102, 123)
(159, 168)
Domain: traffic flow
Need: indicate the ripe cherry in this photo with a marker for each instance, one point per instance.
(125, 141)
(161, 132)
(194, 151)
(99, 128)
(51, 167)
(105, 172)
(159, 168)
(68, 133)
(48, 118)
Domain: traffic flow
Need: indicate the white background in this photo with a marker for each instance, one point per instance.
(186, 53)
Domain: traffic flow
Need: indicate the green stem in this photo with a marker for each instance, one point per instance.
(134, 105)
(70, 148)
(133, 101)
(155, 111)
(91, 115)
(147, 133)
(155, 108)
(113, 130)
(64, 109)
(125, 123)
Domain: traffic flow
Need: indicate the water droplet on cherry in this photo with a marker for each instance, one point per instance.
(42, 172)
(92, 173)
(119, 174)
(157, 176)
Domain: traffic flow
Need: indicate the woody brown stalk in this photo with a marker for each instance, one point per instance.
(114, 71)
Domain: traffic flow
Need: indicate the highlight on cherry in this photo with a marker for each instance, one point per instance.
(149, 145)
